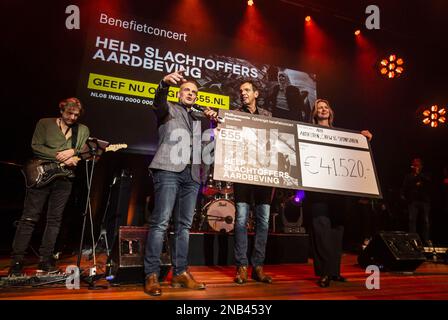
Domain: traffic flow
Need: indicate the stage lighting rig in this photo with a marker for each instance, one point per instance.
(434, 116)
(392, 67)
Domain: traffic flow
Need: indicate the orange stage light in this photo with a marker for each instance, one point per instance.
(434, 116)
(391, 67)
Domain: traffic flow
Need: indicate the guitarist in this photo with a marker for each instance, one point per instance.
(59, 140)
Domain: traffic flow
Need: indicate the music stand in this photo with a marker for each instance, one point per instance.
(91, 152)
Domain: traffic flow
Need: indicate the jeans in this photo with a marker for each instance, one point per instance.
(261, 234)
(57, 194)
(175, 194)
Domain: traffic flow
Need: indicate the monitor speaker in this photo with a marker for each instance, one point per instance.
(394, 251)
(126, 262)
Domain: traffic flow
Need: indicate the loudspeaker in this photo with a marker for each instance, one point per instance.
(126, 262)
(393, 251)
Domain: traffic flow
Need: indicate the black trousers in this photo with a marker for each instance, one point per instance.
(424, 208)
(57, 194)
(368, 220)
(326, 238)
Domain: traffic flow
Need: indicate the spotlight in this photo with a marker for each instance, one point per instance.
(250, 2)
(308, 18)
(291, 212)
(434, 116)
(391, 67)
(357, 32)
(299, 196)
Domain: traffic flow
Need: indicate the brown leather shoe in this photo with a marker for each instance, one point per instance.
(186, 280)
(152, 285)
(241, 275)
(259, 275)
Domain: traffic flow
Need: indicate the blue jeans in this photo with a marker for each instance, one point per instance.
(175, 193)
(261, 234)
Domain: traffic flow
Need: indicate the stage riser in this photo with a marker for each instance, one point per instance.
(206, 249)
(217, 249)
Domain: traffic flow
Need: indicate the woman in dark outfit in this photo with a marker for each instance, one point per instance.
(327, 215)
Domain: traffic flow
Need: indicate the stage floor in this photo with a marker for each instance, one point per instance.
(290, 282)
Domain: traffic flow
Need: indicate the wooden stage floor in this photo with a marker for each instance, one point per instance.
(290, 282)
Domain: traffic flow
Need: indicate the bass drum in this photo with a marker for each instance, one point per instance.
(220, 215)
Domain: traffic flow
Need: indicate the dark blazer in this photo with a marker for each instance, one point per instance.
(261, 111)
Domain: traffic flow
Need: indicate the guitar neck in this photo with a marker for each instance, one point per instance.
(116, 147)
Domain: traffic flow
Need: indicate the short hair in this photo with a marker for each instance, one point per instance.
(314, 112)
(70, 103)
(190, 81)
(251, 82)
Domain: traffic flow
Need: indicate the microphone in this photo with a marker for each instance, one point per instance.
(201, 109)
(228, 219)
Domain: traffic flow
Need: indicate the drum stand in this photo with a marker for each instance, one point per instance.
(201, 223)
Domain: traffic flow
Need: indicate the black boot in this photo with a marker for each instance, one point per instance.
(16, 269)
(324, 281)
(47, 264)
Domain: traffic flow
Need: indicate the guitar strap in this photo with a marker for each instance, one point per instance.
(74, 141)
(74, 136)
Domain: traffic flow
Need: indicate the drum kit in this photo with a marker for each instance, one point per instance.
(218, 208)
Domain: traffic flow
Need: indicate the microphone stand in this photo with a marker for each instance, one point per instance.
(92, 155)
(103, 228)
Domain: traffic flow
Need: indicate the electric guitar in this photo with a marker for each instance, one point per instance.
(39, 173)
